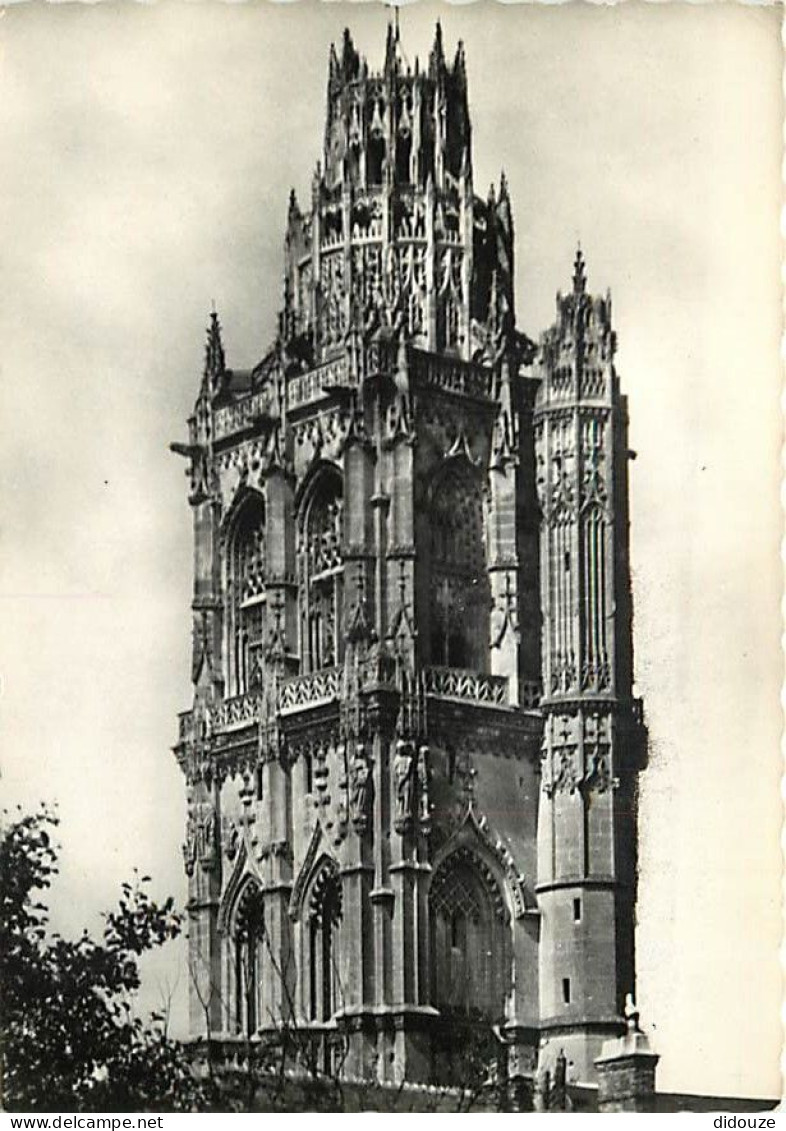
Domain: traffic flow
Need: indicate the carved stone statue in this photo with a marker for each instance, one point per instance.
(231, 839)
(597, 774)
(190, 846)
(208, 845)
(423, 779)
(403, 773)
(557, 1099)
(360, 788)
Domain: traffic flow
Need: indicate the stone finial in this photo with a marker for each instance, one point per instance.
(333, 65)
(460, 62)
(631, 1014)
(350, 60)
(579, 273)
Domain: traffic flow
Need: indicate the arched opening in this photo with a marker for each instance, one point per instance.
(460, 597)
(403, 158)
(450, 289)
(595, 672)
(427, 159)
(324, 915)
(470, 939)
(246, 596)
(375, 148)
(247, 958)
(322, 566)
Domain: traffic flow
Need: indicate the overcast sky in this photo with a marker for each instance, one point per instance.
(148, 153)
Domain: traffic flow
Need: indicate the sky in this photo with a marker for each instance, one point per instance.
(148, 152)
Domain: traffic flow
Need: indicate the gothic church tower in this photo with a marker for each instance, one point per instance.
(411, 757)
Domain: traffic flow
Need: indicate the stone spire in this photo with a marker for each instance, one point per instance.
(436, 62)
(391, 47)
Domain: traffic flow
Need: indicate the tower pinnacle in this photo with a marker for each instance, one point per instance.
(403, 515)
(579, 273)
(215, 361)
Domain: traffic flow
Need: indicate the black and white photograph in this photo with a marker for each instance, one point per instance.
(390, 666)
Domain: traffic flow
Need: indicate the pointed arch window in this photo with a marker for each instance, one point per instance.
(323, 920)
(246, 598)
(375, 145)
(322, 564)
(595, 670)
(470, 938)
(248, 954)
(460, 597)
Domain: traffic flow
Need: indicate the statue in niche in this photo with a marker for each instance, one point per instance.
(423, 778)
(208, 852)
(403, 772)
(360, 789)
(567, 774)
(598, 769)
(190, 846)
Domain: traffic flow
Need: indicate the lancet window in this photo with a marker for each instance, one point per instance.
(248, 955)
(246, 598)
(470, 943)
(375, 160)
(324, 990)
(460, 595)
(404, 137)
(450, 289)
(322, 566)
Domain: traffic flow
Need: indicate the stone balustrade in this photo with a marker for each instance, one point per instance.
(325, 686)
(239, 711)
(304, 388)
(238, 416)
(467, 686)
(311, 690)
(454, 376)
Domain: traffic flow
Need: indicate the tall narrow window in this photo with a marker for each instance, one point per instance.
(471, 949)
(324, 917)
(246, 596)
(403, 155)
(460, 596)
(375, 160)
(323, 565)
(248, 951)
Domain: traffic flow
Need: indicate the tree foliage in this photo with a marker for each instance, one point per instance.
(70, 1038)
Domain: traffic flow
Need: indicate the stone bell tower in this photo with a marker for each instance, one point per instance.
(412, 751)
(593, 738)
